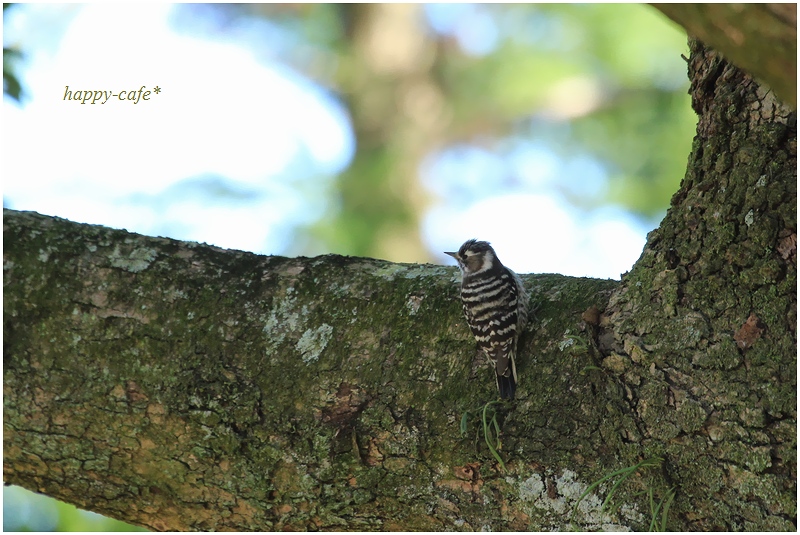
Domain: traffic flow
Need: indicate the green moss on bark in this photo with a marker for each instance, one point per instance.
(710, 308)
(193, 388)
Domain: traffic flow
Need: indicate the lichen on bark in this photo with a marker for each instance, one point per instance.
(209, 389)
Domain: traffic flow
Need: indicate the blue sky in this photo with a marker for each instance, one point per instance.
(228, 119)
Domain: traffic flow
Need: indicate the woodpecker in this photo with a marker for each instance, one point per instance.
(496, 307)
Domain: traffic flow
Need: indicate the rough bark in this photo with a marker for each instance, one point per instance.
(179, 386)
(760, 38)
(704, 325)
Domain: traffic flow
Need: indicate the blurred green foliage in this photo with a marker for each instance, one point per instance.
(11, 84)
(601, 81)
(24, 510)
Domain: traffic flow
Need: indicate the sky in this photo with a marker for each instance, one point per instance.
(214, 152)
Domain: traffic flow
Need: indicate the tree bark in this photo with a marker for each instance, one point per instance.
(179, 386)
(759, 38)
(705, 322)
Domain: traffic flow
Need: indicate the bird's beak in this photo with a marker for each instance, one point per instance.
(454, 255)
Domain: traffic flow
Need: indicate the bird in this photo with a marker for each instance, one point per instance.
(495, 304)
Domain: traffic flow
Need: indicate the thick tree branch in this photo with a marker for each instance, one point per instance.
(179, 386)
(759, 38)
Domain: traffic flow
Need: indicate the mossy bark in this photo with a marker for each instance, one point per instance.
(180, 386)
(705, 322)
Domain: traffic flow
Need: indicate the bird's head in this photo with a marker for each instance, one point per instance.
(475, 257)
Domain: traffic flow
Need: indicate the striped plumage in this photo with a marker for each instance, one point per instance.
(496, 307)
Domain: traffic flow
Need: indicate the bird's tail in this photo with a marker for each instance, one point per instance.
(507, 386)
(505, 370)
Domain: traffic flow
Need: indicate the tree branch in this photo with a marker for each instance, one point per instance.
(759, 38)
(178, 386)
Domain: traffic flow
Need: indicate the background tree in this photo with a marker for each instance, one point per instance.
(630, 349)
(412, 92)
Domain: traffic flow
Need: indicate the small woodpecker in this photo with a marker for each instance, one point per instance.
(496, 307)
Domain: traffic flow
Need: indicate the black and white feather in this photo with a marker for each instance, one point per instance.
(496, 307)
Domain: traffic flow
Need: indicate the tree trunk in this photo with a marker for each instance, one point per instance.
(179, 386)
(705, 323)
(388, 83)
